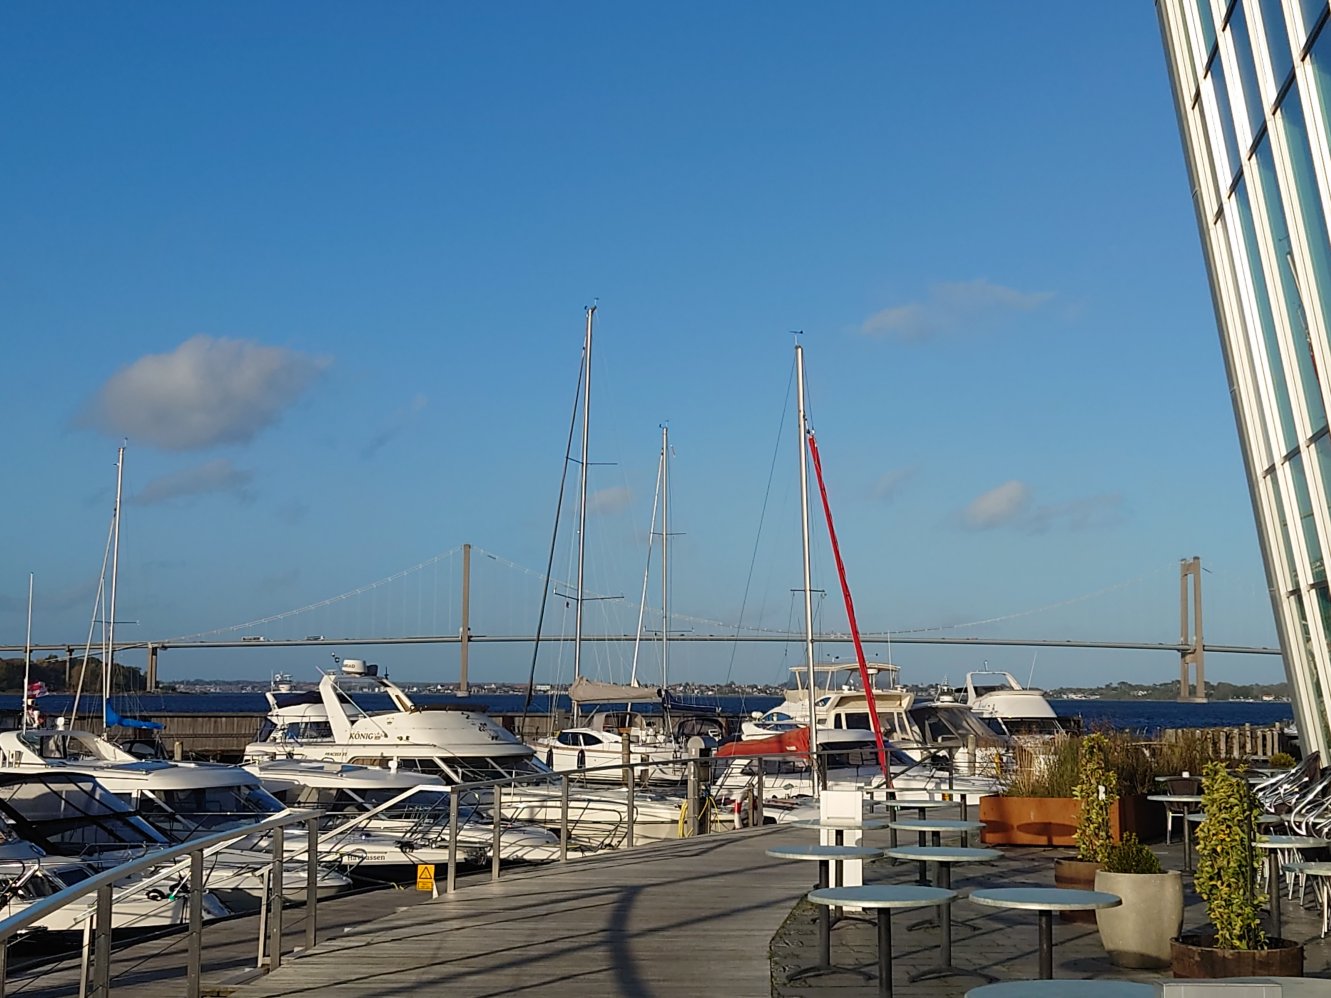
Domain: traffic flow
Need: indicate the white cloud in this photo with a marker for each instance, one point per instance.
(205, 479)
(612, 500)
(207, 391)
(997, 507)
(1012, 504)
(952, 307)
(890, 483)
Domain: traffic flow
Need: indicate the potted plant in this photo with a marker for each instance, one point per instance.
(1139, 931)
(1038, 805)
(1226, 879)
(1095, 791)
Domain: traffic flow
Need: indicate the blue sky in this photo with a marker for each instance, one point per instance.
(324, 266)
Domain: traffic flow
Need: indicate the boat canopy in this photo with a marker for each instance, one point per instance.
(585, 690)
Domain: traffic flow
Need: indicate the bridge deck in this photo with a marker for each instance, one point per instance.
(674, 918)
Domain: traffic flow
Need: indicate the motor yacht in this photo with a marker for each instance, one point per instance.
(57, 829)
(454, 746)
(378, 822)
(1008, 707)
(181, 801)
(839, 701)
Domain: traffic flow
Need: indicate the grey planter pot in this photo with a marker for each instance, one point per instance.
(1137, 933)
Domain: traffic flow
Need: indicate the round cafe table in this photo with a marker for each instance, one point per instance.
(1045, 901)
(1065, 988)
(883, 898)
(944, 856)
(935, 827)
(896, 805)
(842, 825)
(1274, 845)
(824, 856)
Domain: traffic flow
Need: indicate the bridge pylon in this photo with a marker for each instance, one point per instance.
(1192, 652)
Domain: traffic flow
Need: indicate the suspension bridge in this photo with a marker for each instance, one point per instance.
(431, 604)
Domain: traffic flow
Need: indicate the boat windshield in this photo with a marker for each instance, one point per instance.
(68, 815)
(186, 814)
(1033, 725)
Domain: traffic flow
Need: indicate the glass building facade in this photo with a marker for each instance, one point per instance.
(1252, 88)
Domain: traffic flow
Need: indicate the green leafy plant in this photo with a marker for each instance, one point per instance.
(1131, 856)
(1096, 789)
(1227, 862)
(1282, 760)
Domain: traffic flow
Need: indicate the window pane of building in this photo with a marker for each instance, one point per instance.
(1278, 218)
(1215, 80)
(1247, 67)
(1277, 41)
(1303, 502)
(1289, 437)
(1308, 214)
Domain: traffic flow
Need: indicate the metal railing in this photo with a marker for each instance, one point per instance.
(697, 786)
(97, 935)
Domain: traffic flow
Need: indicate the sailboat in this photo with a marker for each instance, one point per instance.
(613, 738)
(847, 715)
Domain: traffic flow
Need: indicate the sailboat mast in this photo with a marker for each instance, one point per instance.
(803, 426)
(582, 495)
(27, 657)
(115, 569)
(665, 556)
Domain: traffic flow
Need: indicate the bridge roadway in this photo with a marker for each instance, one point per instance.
(680, 918)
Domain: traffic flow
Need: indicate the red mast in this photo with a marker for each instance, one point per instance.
(850, 612)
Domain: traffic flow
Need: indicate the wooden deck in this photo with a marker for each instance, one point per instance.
(680, 918)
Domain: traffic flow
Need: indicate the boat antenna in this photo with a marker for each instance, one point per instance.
(646, 573)
(1030, 680)
(109, 665)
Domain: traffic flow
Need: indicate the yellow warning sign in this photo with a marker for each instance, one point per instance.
(425, 877)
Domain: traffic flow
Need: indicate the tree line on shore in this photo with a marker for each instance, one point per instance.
(60, 676)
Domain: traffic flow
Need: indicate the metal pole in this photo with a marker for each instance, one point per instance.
(101, 972)
(312, 887)
(691, 798)
(665, 559)
(497, 825)
(758, 794)
(196, 888)
(632, 808)
(582, 501)
(85, 958)
(563, 817)
(465, 635)
(275, 908)
(4, 964)
(452, 843)
(808, 579)
(265, 877)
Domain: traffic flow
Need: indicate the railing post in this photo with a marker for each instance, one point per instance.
(452, 843)
(4, 964)
(101, 972)
(691, 800)
(264, 897)
(312, 882)
(758, 793)
(275, 907)
(496, 822)
(563, 817)
(194, 969)
(632, 808)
